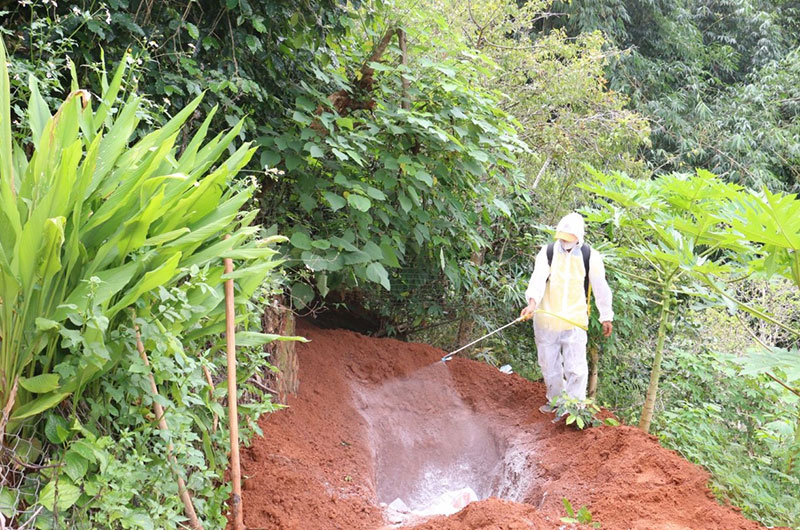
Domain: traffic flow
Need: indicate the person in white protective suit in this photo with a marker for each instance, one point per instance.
(557, 298)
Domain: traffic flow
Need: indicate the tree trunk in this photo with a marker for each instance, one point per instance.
(467, 323)
(278, 319)
(655, 373)
(401, 39)
(594, 353)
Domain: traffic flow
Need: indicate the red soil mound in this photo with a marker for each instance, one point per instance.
(324, 462)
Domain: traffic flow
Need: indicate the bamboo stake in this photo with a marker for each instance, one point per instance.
(12, 397)
(233, 414)
(211, 395)
(162, 424)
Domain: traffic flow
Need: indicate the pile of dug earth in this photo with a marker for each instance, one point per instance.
(382, 435)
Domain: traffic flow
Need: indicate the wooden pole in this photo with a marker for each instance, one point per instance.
(233, 413)
(162, 424)
(211, 396)
(594, 352)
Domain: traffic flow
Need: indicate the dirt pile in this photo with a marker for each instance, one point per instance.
(378, 419)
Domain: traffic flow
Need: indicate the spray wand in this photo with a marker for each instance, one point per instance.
(519, 319)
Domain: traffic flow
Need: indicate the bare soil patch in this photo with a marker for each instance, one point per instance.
(379, 419)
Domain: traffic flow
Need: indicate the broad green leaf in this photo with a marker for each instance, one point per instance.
(50, 252)
(359, 202)
(305, 104)
(322, 284)
(44, 324)
(83, 449)
(38, 112)
(110, 92)
(39, 405)
(378, 274)
(345, 123)
(342, 243)
(390, 256)
(7, 177)
(376, 194)
(113, 143)
(301, 240)
(424, 176)
(61, 493)
(405, 203)
(375, 252)
(8, 502)
(314, 150)
(155, 278)
(252, 338)
(336, 202)
(314, 262)
(356, 257)
(165, 238)
(107, 283)
(302, 294)
(75, 465)
(56, 429)
(40, 384)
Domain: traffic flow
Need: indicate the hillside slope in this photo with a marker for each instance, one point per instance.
(380, 419)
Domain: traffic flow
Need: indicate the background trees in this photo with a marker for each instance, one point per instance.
(699, 70)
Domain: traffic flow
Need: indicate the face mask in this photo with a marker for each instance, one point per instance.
(568, 245)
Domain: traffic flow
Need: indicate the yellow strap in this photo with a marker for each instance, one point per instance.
(568, 321)
(589, 302)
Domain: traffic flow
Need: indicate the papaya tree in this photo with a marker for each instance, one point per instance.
(670, 229)
(771, 222)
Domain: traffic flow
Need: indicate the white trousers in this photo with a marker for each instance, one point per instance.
(562, 358)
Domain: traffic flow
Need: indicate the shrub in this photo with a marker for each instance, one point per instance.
(103, 237)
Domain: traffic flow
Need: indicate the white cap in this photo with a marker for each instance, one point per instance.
(572, 224)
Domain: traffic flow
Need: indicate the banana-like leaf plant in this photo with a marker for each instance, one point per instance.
(92, 220)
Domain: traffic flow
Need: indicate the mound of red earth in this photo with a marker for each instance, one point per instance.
(378, 419)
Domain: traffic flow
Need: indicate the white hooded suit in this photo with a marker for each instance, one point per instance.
(558, 290)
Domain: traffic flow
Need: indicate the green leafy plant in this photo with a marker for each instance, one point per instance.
(582, 516)
(390, 175)
(92, 226)
(582, 412)
(672, 227)
(106, 237)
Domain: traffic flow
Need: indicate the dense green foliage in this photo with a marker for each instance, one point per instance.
(738, 427)
(692, 238)
(416, 155)
(102, 238)
(717, 78)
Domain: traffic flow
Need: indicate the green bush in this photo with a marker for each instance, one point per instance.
(102, 235)
(734, 426)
